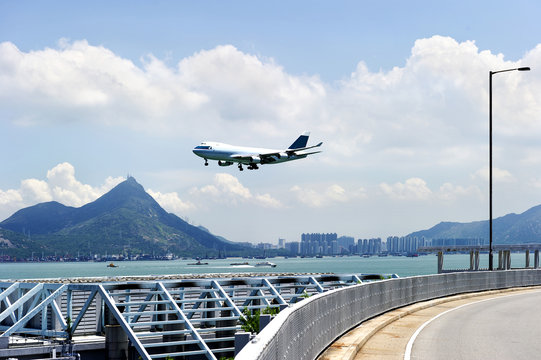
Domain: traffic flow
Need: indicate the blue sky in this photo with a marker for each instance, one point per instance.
(397, 91)
(312, 37)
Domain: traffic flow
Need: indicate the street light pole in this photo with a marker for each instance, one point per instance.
(490, 73)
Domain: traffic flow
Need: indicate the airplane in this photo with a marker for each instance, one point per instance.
(229, 154)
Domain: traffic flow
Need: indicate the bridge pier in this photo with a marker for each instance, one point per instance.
(504, 259)
(474, 260)
(116, 339)
(440, 262)
(226, 333)
(173, 337)
(504, 255)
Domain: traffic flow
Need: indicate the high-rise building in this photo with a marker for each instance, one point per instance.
(404, 245)
(293, 247)
(319, 244)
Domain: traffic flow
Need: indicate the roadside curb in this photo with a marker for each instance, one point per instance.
(348, 345)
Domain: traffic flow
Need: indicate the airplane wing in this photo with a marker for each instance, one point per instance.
(309, 153)
(293, 151)
(270, 157)
(258, 158)
(244, 157)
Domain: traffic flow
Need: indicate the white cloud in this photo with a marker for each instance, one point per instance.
(66, 189)
(10, 197)
(433, 107)
(330, 195)
(229, 190)
(220, 85)
(60, 185)
(499, 175)
(451, 192)
(243, 88)
(266, 200)
(308, 197)
(35, 190)
(433, 110)
(412, 189)
(228, 184)
(172, 202)
(416, 189)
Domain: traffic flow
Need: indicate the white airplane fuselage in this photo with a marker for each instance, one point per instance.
(227, 155)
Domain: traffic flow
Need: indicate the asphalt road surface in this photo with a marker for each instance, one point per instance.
(506, 327)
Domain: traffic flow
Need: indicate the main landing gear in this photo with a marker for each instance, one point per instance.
(250, 167)
(206, 162)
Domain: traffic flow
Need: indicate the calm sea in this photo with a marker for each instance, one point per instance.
(403, 266)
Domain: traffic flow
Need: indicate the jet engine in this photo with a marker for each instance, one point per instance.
(255, 160)
(225, 163)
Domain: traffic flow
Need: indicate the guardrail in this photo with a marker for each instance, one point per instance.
(189, 318)
(304, 330)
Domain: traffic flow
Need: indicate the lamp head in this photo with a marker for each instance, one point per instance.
(524, 68)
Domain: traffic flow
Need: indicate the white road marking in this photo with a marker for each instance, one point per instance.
(407, 354)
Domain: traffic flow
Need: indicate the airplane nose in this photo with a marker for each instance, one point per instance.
(198, 152)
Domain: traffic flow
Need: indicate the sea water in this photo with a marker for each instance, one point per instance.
(400, 265)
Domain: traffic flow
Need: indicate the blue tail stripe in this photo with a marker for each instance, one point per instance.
(300, 142)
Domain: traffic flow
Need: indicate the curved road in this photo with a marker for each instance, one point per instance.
(498, 324)
(507, 327)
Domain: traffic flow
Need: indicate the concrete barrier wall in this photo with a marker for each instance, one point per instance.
(304, 330)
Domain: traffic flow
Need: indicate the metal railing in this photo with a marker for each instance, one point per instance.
(303, 331)
(194, 317)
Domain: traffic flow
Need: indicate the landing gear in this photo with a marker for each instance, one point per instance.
(240, 167)
(206, 162)
(253, 167)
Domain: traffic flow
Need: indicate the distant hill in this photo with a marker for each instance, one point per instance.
(124, 220)
(509, 229)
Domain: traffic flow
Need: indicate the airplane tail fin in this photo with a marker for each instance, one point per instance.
(300, 142)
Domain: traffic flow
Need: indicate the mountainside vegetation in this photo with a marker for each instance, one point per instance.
(125, 221)
(509, 229)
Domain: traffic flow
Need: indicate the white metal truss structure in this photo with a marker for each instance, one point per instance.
(162, 319)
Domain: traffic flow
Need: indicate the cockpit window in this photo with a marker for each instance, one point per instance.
(201, 147)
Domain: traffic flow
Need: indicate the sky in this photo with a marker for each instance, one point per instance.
(91, 91)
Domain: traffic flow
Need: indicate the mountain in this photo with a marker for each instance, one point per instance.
(509, 229)
(124, 220)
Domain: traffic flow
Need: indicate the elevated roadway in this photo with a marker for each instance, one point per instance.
(500, 324)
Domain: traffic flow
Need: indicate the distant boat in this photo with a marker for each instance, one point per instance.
(237, 263)
(112, 265)
(266, 263)
(199, 263)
